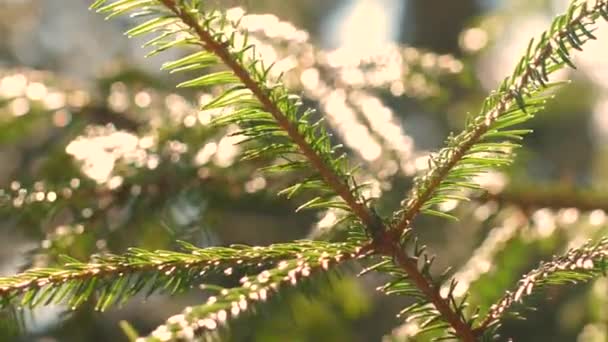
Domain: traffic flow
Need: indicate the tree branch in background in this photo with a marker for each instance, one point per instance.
(546, 196)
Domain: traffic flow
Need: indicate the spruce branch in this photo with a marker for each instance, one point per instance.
(370, 221)
(576, 266)
(475, 149)
(271, 119)
(264, 111)
(228, 303)
(113, 279)
(518, 97)
(268, 100)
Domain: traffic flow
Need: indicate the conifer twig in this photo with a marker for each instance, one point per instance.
(530, 76)
(139, 269)
(382, 243)
(577, 265)
(210, 43)
(228, 303)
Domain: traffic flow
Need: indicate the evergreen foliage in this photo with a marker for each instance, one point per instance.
(149, 272)
(577, 265)
(283, 136)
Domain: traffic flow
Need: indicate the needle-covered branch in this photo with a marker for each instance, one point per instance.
(113, 279)
(266, 112)
(489, 137)
(229, 303)
(273, 121)
(577, 265)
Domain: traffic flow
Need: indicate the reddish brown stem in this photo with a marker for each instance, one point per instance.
(386, 245)
(410, 266)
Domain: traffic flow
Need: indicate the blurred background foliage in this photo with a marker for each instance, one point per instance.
(100, 152)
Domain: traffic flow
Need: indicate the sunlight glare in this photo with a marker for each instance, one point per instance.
(366, 29)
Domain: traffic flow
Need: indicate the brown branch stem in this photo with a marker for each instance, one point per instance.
(410, 266)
